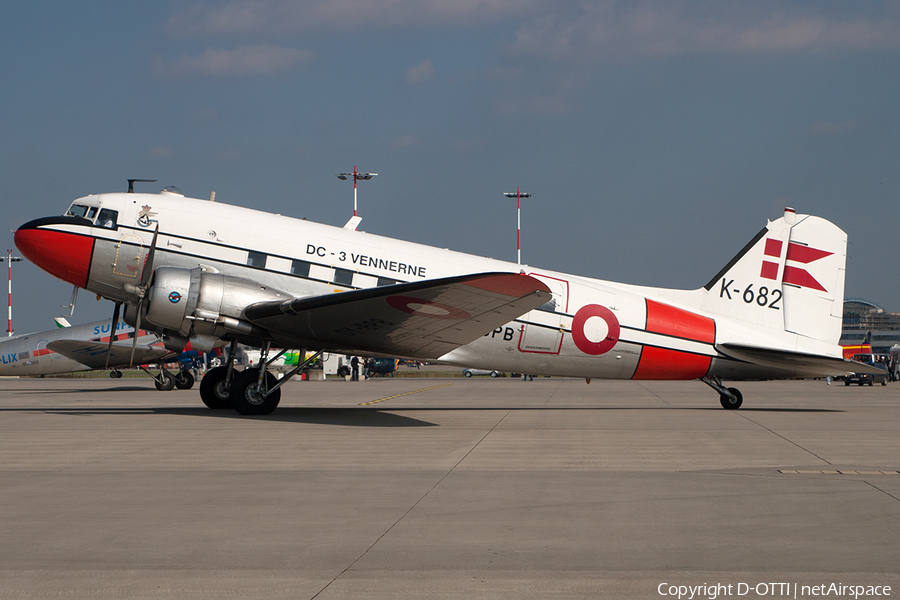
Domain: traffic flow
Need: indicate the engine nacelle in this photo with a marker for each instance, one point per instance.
(199, 303)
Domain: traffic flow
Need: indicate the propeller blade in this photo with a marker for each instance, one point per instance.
(112, 331)
(137, 329)
(148, 263)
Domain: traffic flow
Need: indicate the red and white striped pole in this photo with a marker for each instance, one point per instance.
(518, 196)
(356, 175)
(10, 259)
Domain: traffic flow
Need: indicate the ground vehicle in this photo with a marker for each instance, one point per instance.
(470, 372)
(866, 378)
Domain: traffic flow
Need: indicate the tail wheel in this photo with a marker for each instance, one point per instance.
(214, 389)
(731, 403)
(246, 397)
(164, 381)
(184, 380)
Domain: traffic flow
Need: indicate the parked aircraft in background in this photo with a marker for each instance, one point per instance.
(205, 272)
(69, 349)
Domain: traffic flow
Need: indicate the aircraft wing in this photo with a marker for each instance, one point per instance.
(424, 319)
(93, 354)
(811, 365)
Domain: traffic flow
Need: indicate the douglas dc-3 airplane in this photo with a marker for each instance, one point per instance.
(210, 273)
(88, 347)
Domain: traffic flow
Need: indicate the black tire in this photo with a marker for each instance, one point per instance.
(184, 380)
(731, 403)
(213, 390)
(847, 382)
(495, 374)
(884, 381)
(244, 396)
(167, 383)
(344, 372)
(467, 373)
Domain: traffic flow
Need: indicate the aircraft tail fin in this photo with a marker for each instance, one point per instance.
(790, 277)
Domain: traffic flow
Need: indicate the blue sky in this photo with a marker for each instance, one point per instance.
(657, 137)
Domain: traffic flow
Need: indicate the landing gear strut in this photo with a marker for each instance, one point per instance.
(256, 391)
(730, 398)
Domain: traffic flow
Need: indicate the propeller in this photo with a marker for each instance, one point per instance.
(112, 331)
(142, 288)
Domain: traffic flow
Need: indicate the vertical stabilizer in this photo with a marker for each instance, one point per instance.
(790, 277)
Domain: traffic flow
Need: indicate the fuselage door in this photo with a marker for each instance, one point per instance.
(543, 334)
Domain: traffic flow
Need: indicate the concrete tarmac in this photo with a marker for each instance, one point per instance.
(449, 488)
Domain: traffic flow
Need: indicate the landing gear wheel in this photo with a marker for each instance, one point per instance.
(114, 374)
(245, 396)
(167, 381)
(184, 380)
(214, 390)
(731, 403)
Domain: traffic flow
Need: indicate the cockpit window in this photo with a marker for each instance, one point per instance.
(77, 210)
(107, 218)
(92, 212)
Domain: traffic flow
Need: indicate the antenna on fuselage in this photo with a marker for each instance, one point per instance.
(131, 183)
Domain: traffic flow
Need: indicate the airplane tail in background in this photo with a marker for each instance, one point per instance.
(790, 277)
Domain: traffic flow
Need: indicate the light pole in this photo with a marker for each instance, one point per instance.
(356, 175)
(10, 259)
(518, 195)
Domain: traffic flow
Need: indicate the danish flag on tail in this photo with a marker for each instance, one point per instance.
(790, 278)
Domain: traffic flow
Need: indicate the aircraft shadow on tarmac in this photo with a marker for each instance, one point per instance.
(365, 416)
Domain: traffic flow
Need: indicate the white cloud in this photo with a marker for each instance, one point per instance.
(254, 17)
(611, 29)
(421, 72)
(406, 141)
(160, 153)
(833, 127)
(261, 59)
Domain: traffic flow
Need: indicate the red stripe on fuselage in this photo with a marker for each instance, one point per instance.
(665, 364)
(62, 254)
(668, 320)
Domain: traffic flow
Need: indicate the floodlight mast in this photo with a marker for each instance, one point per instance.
(10, 259)
(356, 175)
(518, 195)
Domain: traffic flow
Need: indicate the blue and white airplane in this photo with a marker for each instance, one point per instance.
(89, 347)
(209, 273)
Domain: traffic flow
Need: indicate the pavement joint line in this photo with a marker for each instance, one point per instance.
(404, 394)
(781, 436)
(834, 472)
(417, 502)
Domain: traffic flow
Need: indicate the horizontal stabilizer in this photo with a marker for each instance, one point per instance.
(93, 354)
(424, 319)
(805, 365)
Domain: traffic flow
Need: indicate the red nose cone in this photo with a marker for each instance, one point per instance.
(63, 255)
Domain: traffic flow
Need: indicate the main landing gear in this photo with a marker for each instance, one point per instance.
(730, 398)
(251, 391)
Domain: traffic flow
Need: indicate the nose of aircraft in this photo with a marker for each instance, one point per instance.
(63, 254)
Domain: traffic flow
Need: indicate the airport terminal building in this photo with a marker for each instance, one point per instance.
(863, 316)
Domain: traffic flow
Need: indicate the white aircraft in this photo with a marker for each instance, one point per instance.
(88, 347)
(210, 273)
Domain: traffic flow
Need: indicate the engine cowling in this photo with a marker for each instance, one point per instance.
(202, 305)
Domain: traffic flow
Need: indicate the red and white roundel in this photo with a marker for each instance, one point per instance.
(426, 308)
(595, 329)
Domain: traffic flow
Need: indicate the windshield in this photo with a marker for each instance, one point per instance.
(77, 210)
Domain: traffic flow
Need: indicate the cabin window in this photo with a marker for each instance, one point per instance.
(343, 277)
(108, 218)
(383, 281)
(256, 259)
(300, 267)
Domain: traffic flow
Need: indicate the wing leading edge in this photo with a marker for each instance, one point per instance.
(93, 354)
(424, 319)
